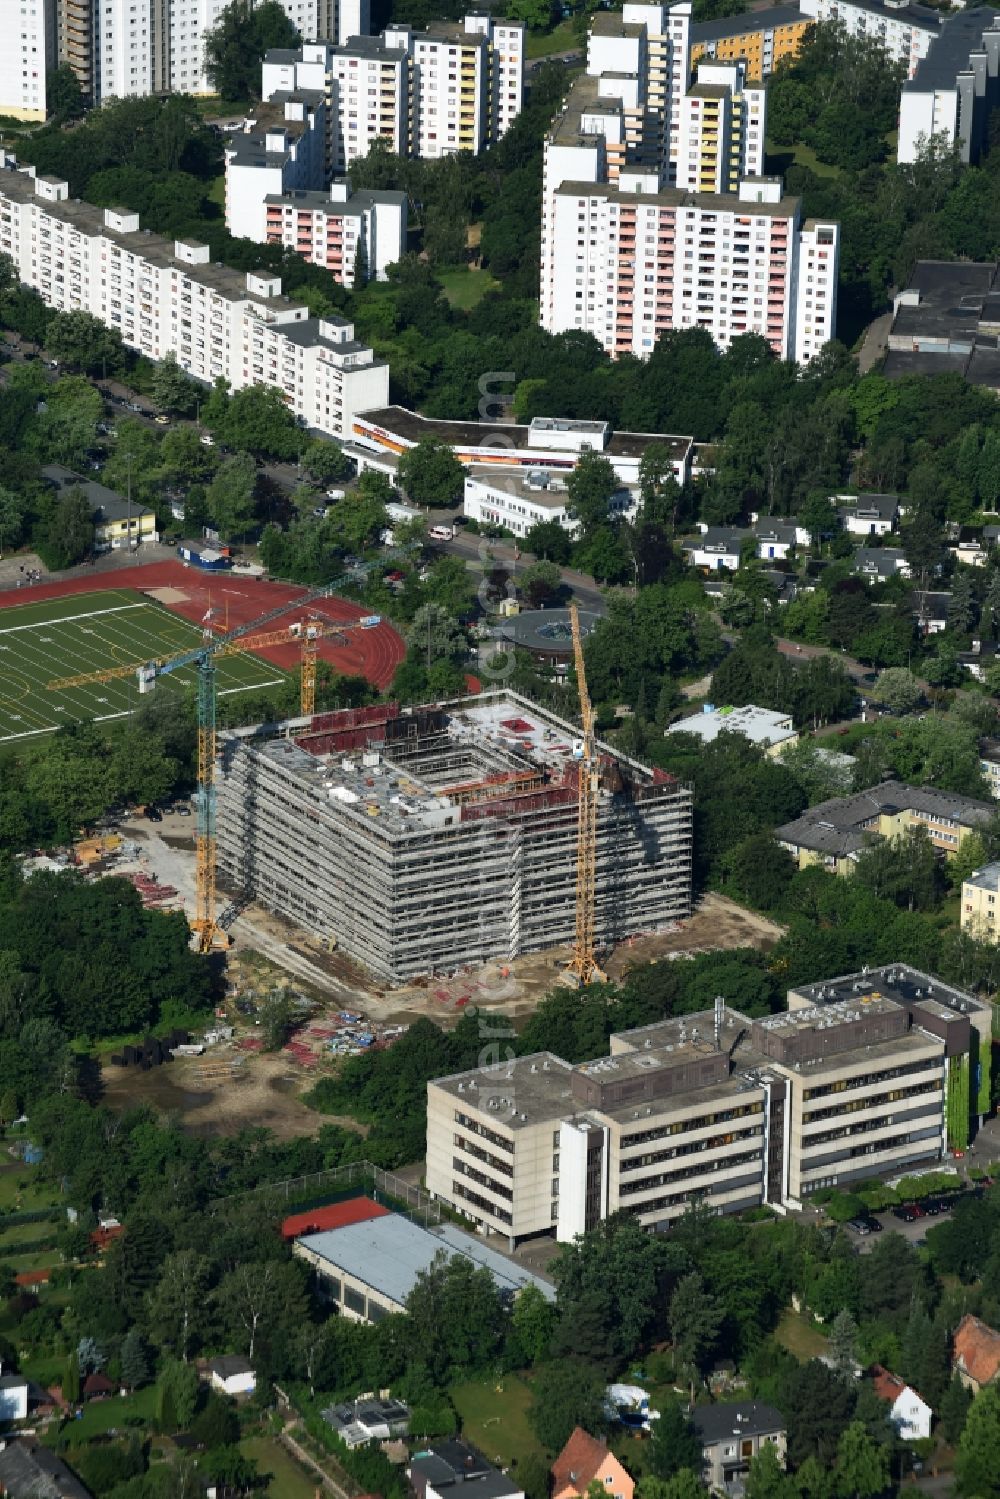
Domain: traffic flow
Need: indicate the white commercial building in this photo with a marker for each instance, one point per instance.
(772, 731)
(29, 31)
(426, 94)
(168, 297)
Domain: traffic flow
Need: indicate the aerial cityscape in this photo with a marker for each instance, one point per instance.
(499, 749)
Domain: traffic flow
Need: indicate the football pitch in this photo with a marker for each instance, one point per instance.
(68, 637)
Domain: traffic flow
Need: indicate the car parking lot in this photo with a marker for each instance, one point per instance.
(911, 1227)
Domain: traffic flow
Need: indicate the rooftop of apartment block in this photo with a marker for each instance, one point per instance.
(746, 23)
(527, 438)
(837, 826)
(584, 97)
(759, 725)
(675, 197)
(959, 35)
(89, 220)
(404, 773)
(987, 878)
(610, 23)
(352, 207)
(911, 14)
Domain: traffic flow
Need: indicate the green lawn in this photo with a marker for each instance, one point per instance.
(288, 1480)
(58, 639)
(562, 39)
(21, 1190)
(464, 287)
(800, 1336)
(101, 1415)
(217, 192)
(779, 158)
(494, 1416)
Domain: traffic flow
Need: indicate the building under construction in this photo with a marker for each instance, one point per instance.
(426, 839)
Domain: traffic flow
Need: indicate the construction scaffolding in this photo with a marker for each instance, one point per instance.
(429, 839)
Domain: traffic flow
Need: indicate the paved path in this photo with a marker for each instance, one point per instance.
(302, 1456)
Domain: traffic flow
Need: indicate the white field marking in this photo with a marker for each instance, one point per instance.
(47, 624)
(107, 717)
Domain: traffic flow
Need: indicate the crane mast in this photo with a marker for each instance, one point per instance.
(583, 966)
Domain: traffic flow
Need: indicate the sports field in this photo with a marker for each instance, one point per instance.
(61, 637)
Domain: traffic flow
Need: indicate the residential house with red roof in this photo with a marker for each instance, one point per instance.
(975, 1353)
(585, 1460)
(909, 1412)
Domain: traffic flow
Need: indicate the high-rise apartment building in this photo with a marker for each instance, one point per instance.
(635, 261)
(355, 236)
(426, 94)
(759, 38)
(168, 297)
(281, 149)
(119, 48)
(29, 29)
(905, 29)
(642, 235)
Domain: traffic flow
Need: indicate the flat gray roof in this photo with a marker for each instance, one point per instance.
(388, 1254)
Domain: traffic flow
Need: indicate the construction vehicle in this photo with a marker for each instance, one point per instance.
(583, 967)
(205, 926)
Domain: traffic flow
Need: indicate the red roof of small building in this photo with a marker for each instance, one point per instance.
(977, 1350)
(32, 1277)
(578, 1462)
(97, 1384)
(887, 1386)
(333, 1215)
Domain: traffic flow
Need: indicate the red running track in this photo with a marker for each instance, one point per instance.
(374, 654)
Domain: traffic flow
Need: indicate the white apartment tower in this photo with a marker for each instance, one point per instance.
(29, 31)
(721, 126)
(426, 94)
(167, 297)
(355, 236)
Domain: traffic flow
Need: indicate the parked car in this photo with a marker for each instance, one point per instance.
(207, 440)
(320, 511)
(861, 1226)
(183, 811)
(906, 1212)
(154, 814)
(932, 1206)
(161, 420)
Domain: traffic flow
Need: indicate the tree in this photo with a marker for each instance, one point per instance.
(455, 1317)
(434, 635)
(549, 540)
(961, 606)
(173, 391)
(675, 1443)
(176, 1396)
(82, 342)
(177, 1305)
(818, 515)
(923, 545)
(12, 515)
(533, 1320)
(760, 872)
(540, 584)
(976, 1463)
(694, 1326)
(90, 1356)
(257, 420)
(237, 43)
(818, 1406)
(766, 1478)
(325, 462)
(844, 1343)
(276, 1017)
(431, 475)
(684, 1484)
(231, 495)
(567, 1394)
(954, 1410)
(591, 487)
(63, 94)
(898, 689)
(862, 1470)
(134, 1359)
(258, 1297)
(71, 1380)
(537, 15)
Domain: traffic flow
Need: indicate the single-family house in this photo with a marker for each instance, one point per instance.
(759, 522)
(989, 763)
(777, 539)
(868, 514)
(585, 1460)
(909, 1412)
(444, 1468)
(979, 659)
(969, 544)
(975, 1353)
(30, 1471)
(118, 522)
(367, 1419)
(13, 1397)
(717, 547)
(232, 1374)
(930, 610)
(97, 1386)
(731, 1435)
(879, 564)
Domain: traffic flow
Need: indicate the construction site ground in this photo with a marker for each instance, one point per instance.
(236, 1084)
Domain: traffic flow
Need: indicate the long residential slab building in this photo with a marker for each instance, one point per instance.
(427, 839)
(870, 1074)
(168, 297)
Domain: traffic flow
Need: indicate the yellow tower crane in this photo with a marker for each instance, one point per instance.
(204, 657)
(583, 965)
